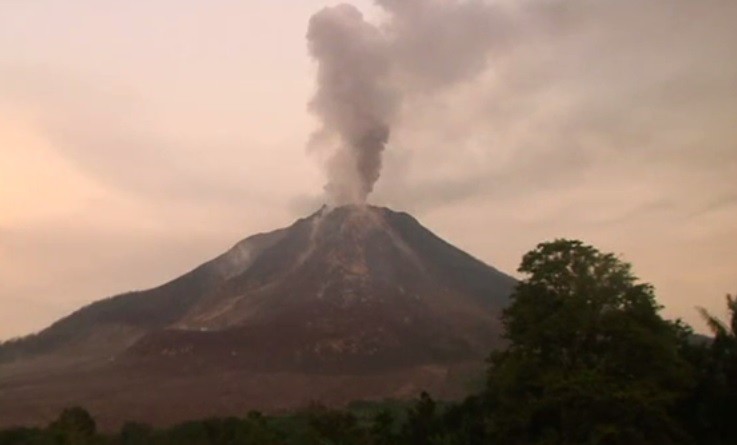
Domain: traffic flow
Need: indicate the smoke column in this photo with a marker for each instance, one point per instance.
(365, 70)
(352, 100)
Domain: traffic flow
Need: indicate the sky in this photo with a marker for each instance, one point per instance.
(140, 139)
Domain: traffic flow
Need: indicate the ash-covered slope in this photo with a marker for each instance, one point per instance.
(355, 288)
(110, 325)
(344, 292)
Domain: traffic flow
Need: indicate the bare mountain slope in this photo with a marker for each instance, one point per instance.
(128, 316)
(346, 295)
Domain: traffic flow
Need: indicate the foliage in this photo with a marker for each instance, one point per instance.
(709, 411)
(589, 361)
(589, 358)
(75, 426)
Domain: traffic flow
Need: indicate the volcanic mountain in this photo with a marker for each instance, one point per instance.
(354, 302)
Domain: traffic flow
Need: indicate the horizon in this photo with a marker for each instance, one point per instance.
(138, 141)
(324, 207)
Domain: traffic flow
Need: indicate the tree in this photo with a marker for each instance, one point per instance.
(714, 404)
(589, 358)
(422, 426)
(334, 427)
(463, 423)
(725, 336)
(382, 428)
(134, 433)
(74, 426)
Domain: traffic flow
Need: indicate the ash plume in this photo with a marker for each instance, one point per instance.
(365, 70)
(352, 99)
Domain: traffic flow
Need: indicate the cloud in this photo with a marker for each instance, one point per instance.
(365, 70)
(574, 88)
(611, 121)
(107, 131)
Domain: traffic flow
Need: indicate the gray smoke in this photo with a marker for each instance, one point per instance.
(365, 70)
(352, 100)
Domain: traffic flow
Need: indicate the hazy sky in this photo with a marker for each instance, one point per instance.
(139, 139)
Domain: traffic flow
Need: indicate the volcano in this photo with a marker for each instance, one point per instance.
(353, 302)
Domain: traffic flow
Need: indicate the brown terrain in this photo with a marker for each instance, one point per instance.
(347, 304)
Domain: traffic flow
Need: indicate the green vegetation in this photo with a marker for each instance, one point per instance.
(589, 361)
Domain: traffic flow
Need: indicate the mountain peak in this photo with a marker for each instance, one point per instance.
(347, 290)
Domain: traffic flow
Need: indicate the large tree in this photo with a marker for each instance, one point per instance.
(712, 409)
(75, 426)
(589, 358)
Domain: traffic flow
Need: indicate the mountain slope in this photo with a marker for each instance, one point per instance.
(351, 292)
(128, 316)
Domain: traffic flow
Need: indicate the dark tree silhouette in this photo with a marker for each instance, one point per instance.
(589, 358)
(712, 408)
(74, 426)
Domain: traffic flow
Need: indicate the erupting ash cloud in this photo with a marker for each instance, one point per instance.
(364, 71)
(352, 99)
